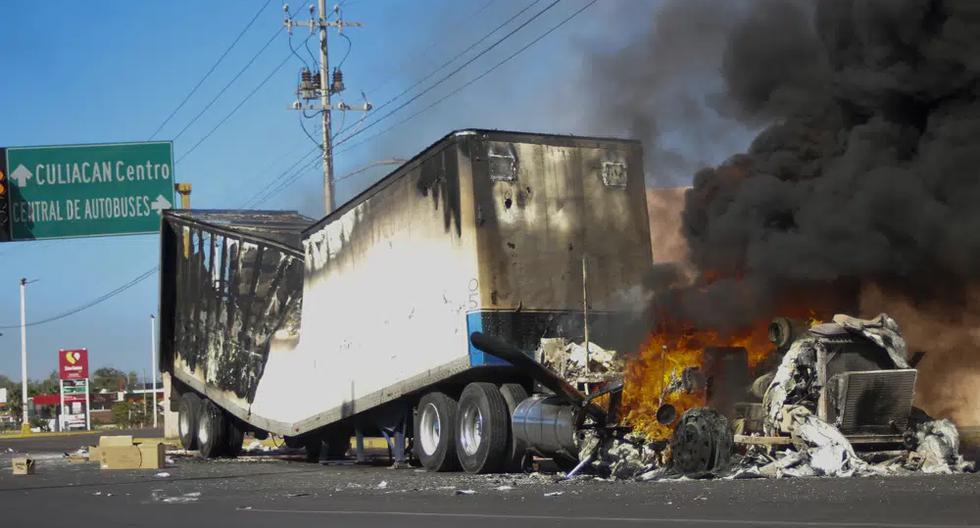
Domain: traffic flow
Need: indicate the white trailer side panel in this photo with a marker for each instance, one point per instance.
(386, 290)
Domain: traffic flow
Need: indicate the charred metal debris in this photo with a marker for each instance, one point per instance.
(838, 403)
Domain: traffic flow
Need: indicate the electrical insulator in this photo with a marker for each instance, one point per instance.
(307, 84)
(337, 85)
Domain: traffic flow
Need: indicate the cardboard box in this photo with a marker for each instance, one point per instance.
(141, 456)
(23, 465)
(153, 456)
(121, 441)
(95, 454)
(121, 457)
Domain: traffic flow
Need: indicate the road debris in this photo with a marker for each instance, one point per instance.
(464, 492)
(554, 494)
(162, 474)
(158, 495)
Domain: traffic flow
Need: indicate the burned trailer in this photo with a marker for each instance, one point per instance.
(229, 281)
(514, 235)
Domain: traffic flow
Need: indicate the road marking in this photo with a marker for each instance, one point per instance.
(665, 520)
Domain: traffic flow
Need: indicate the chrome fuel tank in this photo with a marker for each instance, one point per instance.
(547, 425)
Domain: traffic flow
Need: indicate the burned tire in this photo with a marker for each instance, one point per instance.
(313, 446)
(211, 430)
(513, 394)
(234, 436)
(188, 411)
(482, 429)
(435, 427)
(338, 443)
(702, 442)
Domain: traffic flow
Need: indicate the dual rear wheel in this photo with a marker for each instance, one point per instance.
(204, 426)
(472, 433)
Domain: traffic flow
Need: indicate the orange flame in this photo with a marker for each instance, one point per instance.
(665, 355)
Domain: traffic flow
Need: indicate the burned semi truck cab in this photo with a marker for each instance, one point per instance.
(515, 235)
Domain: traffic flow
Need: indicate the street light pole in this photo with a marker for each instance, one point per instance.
(153, 365)
(25, 425)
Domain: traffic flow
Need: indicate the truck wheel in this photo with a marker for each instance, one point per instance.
(435, 423)
(513, 394)
(482, 428)
(702, 442)
(338, 443)
(313, 447)
(234, 436)
(211, 430)
(188, 411)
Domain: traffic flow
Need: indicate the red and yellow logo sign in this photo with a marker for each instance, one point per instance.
(73, 364)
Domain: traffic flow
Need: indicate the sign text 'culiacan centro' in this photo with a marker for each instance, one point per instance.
(88, 190)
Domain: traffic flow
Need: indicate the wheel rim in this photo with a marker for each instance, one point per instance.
(471, 430)
(184, 424)
(202, 433)
(430, 426)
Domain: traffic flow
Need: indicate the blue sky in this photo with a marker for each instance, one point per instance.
(104, 71)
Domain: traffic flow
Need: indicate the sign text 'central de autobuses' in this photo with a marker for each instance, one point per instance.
(85, 190)
(106, 172)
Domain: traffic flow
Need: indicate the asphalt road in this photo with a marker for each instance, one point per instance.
(45, 444)
(284, 491)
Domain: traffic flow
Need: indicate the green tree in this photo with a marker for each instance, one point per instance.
(128, 414)
(108, 379)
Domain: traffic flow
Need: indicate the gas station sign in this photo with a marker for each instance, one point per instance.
(73, 364)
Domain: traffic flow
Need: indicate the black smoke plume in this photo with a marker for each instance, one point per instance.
(867, 167)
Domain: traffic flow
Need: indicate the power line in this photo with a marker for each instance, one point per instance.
(310, 163)
(98, 300)
(231, 82)
(450, 74)
(235, 109)
(450, 61)
(266, 192)
(471, 81)
(434, 43)
(210, 71)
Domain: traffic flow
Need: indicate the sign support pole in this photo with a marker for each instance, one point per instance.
(153, 365)
(88, 407)
(25, 425)
(61, 407)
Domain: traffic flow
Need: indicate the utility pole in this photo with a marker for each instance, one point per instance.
(320, 86)
(329, 202)
(25, 425)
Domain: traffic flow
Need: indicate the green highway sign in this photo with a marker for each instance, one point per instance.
(88, 190)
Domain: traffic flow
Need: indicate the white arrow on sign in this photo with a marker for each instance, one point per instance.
(160, 204)
(21, 175)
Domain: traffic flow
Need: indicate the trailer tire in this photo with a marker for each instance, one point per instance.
(513, 394)
(313, 447)
(482, 428)
(234, 436)
(338, 443)
(188, 410)
(435, 425)
(211, 430)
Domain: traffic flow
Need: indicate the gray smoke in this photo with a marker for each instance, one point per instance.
(655, 87)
